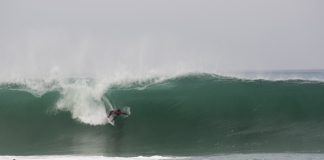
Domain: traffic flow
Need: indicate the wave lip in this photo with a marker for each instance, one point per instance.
(82, 157)
(264, 156)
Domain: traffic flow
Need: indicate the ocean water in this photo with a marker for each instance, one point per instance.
(277, 156)
(275, 115)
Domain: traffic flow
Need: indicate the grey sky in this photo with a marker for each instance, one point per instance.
(101, 36)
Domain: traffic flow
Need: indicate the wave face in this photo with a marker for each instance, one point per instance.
(191, 114)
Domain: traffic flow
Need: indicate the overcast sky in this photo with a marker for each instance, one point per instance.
(102, 36)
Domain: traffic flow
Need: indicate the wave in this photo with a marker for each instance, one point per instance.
(193, 113)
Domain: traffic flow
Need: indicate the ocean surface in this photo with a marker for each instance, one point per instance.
(273, 115)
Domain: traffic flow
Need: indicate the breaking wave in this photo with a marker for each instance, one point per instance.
(193, 113)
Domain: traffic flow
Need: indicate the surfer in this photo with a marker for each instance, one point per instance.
(115, 113)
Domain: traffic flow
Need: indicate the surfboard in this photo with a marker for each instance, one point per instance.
(111, 120)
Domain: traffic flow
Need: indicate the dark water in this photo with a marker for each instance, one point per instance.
(196, 114)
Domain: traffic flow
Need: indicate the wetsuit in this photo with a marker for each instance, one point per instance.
(116, 113)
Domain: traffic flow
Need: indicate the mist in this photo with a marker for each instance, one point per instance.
(86, 38)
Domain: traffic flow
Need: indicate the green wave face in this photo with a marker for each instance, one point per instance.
(192, 114)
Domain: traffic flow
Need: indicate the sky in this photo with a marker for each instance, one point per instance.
(93, 37)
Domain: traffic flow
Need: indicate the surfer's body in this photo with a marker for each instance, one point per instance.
(116, 113)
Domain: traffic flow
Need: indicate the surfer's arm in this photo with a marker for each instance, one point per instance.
(110, 113)
(125, 114)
